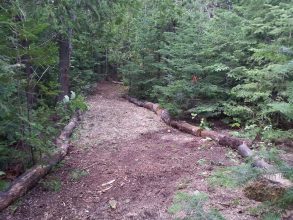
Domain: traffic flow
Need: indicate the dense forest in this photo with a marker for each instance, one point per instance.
(223, 64)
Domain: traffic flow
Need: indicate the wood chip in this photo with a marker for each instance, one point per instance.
(105, 190)
(113, 204)
(108, 183)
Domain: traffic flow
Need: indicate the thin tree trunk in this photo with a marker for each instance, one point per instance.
(30, 91)
(65, 50)
(26, 60)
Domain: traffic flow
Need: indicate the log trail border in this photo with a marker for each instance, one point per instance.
(31, 177)
(239, 144)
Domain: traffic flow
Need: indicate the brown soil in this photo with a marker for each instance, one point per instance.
(132, 160)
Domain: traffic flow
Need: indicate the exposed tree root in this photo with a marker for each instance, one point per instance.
(26, 181)
(117, 82)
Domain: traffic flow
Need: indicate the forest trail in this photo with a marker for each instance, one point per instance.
(124, 163)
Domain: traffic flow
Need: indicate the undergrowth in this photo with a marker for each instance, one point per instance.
(76, 175)
(241, 175)
(192, 207)
(3, 185)
(53, 184)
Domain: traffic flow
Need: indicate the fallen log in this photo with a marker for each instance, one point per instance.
(30, 178)
(239, 144)
(135, 101)
(148, 105)
(163, 113)
(185, 127)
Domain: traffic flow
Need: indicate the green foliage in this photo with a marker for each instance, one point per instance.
(77, 174)
(75, 103)
(236, 176)
(277, 134)
(3, 185)
(192, 205)
(268, 133)
(223, 59)
(272, 216)
(30, 33)
(229, 61)
(202, 162)
(53, 184)
(286, 200)
(174, 97)
(207, 109)
(14, 206)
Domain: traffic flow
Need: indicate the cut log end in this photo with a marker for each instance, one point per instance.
(165, 116)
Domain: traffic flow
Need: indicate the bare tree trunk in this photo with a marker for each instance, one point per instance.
(30, 91)
(65, 49)
(26, 60)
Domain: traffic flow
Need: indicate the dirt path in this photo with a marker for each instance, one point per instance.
(125, 154)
